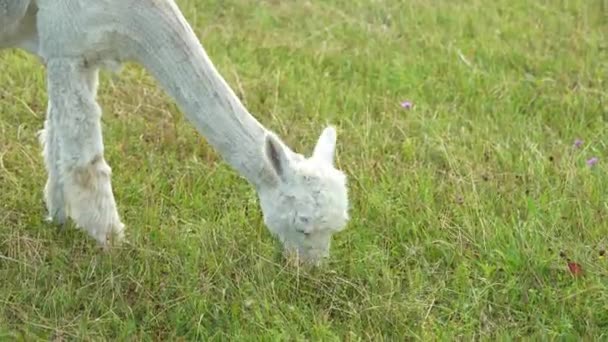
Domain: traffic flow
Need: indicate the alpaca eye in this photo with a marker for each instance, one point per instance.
(304, 222)
(302, 231)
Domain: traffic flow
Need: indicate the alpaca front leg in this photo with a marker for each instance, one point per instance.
(83, 173)
(53, 189)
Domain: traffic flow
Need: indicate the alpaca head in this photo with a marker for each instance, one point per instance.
(307, 200)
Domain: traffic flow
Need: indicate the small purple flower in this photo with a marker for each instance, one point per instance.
(406, 104)
(578, 143)
(592, 161)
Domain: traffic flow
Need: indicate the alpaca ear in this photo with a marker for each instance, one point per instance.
(326, 146)
(276, 155)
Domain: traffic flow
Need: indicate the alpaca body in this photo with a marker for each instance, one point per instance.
(304, 200)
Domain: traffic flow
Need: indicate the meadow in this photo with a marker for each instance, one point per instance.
(474, 135)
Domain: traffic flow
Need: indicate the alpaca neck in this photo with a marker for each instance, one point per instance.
(166, 45)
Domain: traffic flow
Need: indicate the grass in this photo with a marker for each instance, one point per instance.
(465, 208)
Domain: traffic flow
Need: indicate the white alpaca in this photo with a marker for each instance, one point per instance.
(303, 200)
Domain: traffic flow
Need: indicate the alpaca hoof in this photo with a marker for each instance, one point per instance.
(111, 237)
(58, 219)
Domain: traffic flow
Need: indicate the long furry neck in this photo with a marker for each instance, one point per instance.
(163, 42)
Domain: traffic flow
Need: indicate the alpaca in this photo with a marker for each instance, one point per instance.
(304, 200)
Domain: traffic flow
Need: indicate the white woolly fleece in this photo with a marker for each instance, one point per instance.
(304, 200)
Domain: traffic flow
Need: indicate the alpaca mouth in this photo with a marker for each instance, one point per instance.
(306, 256)
(312, 256)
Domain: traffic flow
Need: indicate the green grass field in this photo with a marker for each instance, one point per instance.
(465, 208)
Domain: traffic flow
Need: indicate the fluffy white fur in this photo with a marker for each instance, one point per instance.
(304, 199)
